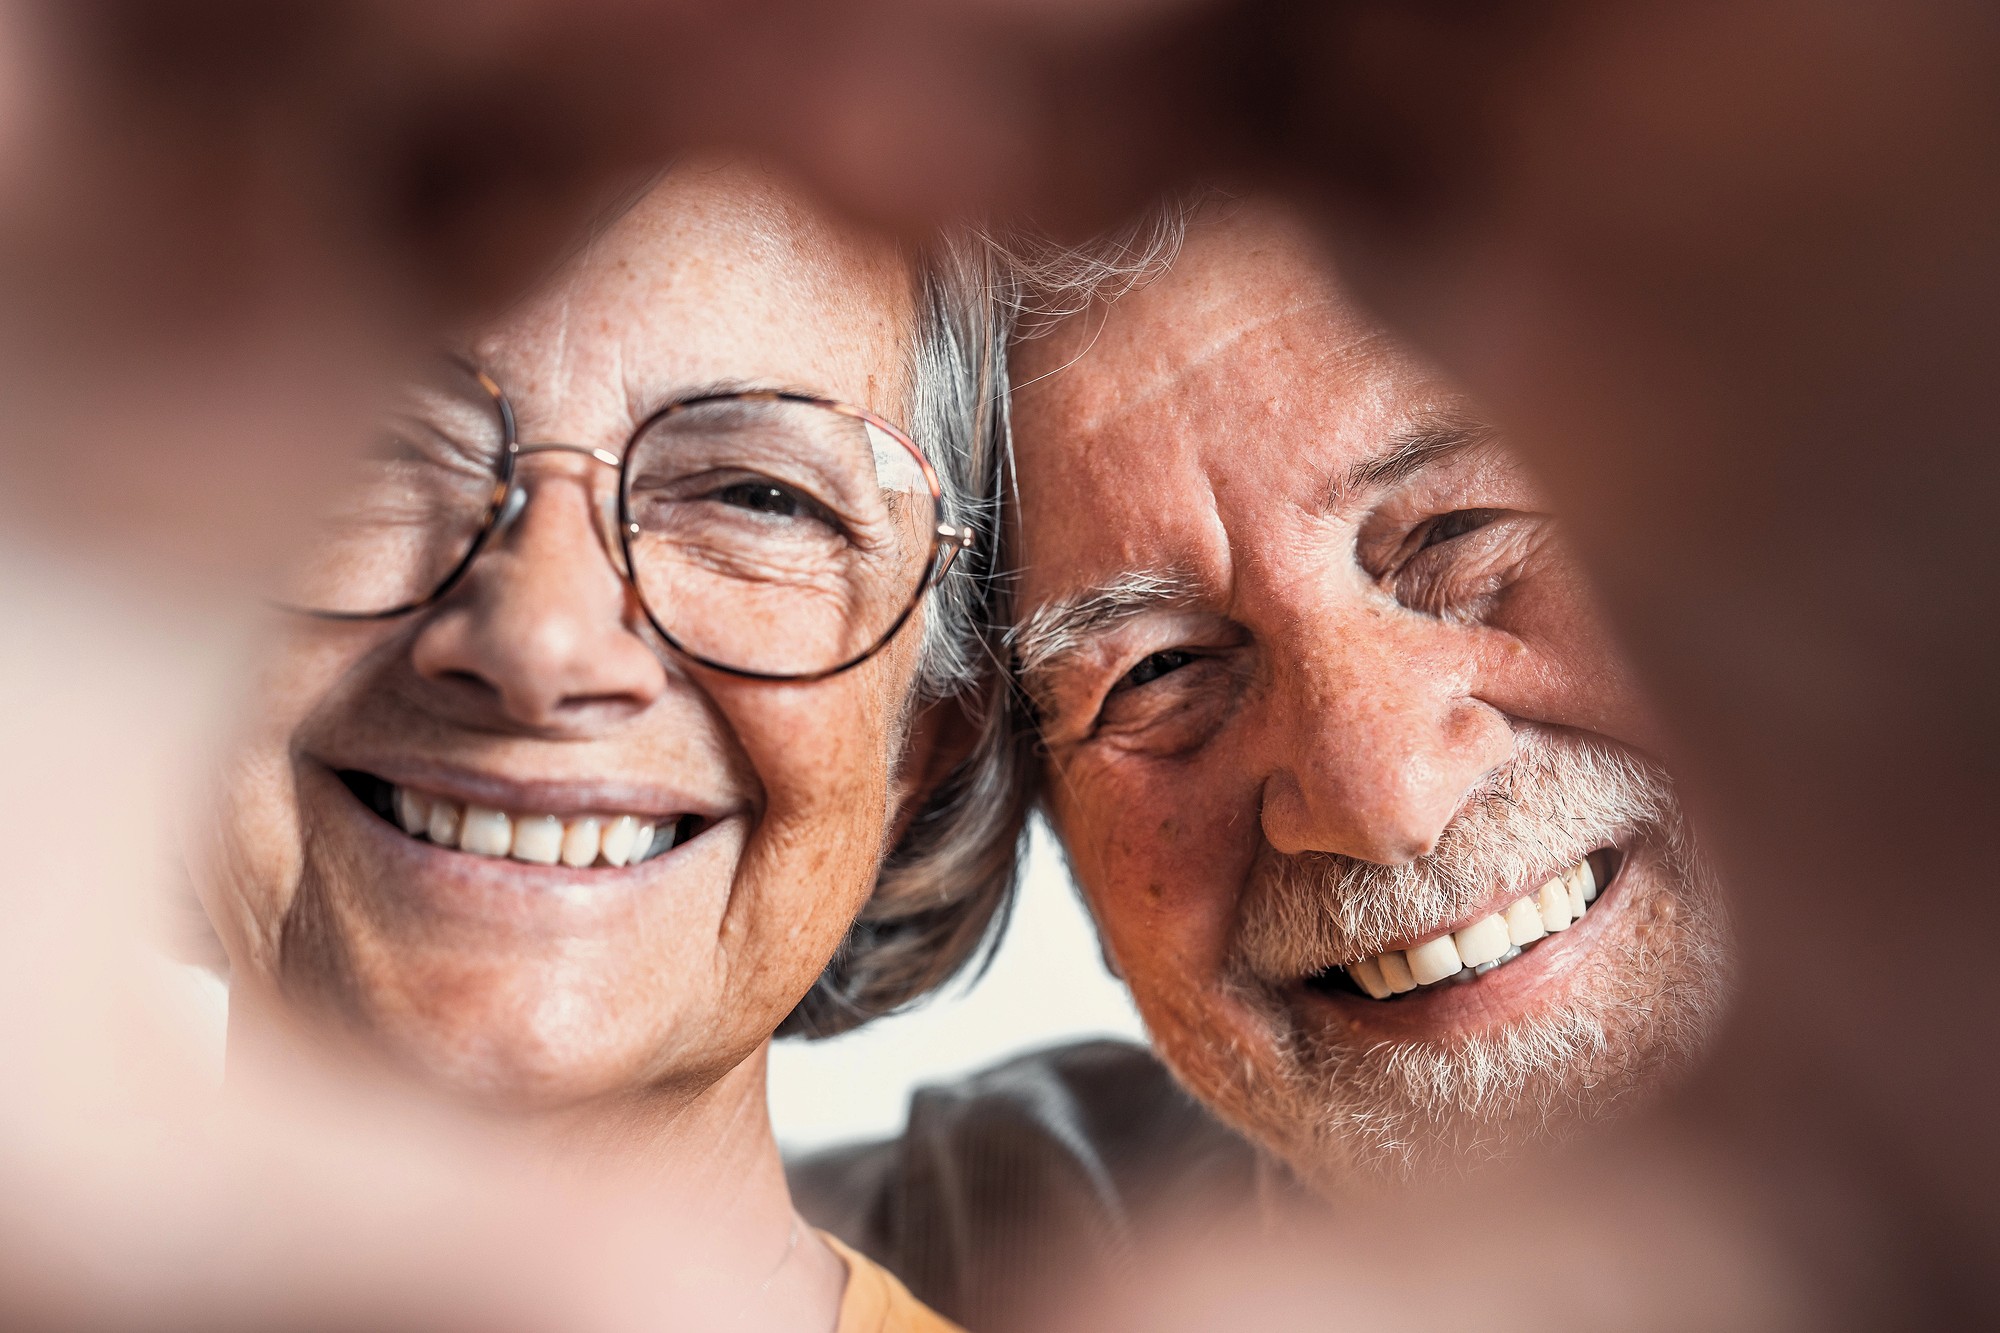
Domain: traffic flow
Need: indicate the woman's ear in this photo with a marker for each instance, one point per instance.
(942, 736)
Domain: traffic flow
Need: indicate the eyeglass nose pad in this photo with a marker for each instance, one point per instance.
(606, 524)
(510, 508)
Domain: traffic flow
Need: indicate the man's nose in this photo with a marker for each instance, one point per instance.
(544, 628)
(1376, 739)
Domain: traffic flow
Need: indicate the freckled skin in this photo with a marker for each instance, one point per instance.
(537, 668)
(1197, 425)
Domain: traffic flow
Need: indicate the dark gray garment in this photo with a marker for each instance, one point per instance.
(1026, 1181)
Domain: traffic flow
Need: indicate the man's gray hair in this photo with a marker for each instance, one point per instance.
(1052, 282)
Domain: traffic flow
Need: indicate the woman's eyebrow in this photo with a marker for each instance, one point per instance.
(658, 400)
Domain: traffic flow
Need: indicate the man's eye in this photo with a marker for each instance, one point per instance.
(1455, 524)
(1152, 668)
(1459, 561)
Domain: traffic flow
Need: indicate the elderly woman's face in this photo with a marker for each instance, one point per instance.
(532, 691)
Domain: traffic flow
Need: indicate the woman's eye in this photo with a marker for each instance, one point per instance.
(437, 449)
(761, 497)
(1152, 668)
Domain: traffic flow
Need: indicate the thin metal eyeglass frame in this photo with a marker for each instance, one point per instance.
(947, 540)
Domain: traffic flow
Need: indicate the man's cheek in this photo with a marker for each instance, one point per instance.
(1163, 871)
(1555, 662)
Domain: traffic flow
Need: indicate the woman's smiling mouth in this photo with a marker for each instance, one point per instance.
(603, 839)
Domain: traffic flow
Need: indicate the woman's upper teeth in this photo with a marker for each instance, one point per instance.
(584, 840)
(1485, 944)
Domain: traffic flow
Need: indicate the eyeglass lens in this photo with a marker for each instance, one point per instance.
(764, 534)
(773, 535)
(412, 506)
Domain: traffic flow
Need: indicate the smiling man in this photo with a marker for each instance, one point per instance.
(1355, 782)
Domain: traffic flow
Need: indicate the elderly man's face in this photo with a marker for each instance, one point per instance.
(1354, 779)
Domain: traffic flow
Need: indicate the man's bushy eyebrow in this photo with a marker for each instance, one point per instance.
(1412, 450)
(1057, 629)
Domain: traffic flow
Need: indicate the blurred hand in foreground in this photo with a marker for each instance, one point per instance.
(1730, 270)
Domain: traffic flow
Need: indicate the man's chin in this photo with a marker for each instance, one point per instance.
(1410, 1110)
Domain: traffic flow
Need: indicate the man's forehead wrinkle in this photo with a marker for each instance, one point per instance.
(1137, 356)
(1197, 356)
(1357, 346)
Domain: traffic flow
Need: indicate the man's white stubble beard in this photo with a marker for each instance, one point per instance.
(1639, 1011)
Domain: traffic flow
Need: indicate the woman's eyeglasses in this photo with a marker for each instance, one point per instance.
(773, 535)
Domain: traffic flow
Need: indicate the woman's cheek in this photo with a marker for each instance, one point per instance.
(248, 869)
(820, 760)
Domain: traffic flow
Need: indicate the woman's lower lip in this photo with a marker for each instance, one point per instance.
(1505, 993)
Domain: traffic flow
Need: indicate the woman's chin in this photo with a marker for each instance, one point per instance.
(502, 1062)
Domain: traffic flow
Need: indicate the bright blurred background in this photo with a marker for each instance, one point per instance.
(1047, 985)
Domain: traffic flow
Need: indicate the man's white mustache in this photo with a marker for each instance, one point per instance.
(1557, 799)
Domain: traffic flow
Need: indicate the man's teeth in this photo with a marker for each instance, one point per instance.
(1482, 941)
(1490, 942)
(1435, 961)
(587, 840)
(1524, 921)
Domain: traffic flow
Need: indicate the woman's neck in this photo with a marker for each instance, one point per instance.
(715, 1144)
(713, 1157)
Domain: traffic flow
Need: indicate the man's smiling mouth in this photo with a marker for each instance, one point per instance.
(603, 840)
(1480, 946)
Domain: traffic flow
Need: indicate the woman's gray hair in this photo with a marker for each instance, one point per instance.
(946, 889)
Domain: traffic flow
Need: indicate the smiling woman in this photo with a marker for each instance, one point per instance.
(609, 678)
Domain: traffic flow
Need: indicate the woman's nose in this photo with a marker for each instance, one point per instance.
(543, 628)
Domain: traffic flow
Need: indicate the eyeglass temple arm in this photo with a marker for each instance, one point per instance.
(953, 539)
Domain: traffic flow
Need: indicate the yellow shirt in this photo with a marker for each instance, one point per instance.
(876, 1302)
